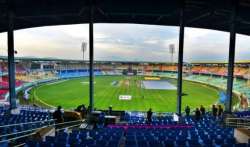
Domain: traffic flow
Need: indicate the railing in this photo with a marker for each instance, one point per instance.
(43, 123)
(35, 122)
(238, 122)
(75, 124)
(31, 132)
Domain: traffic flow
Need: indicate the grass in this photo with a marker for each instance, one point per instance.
(73, 92)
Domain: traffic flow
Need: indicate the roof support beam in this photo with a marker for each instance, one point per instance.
(204, 15)
(139, 14)
(230, 76)
(11, 59)
(102, 12)
(245, 24)
(162, 17)
(180, 59)
(81, 12)
(91, 57)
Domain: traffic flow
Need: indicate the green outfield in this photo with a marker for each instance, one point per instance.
(71, 93)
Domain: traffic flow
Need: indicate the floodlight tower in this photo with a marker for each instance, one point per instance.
(84, 49)
(172, 51)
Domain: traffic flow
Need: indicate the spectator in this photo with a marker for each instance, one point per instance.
(149, 116)
(58, 115)
(78, 109)
(110, 110)
(101, 119)
(197, 114)
(214, 110)
(89, 110)
(187, 110)
(84, 111)
(220, 111)
(202, 109)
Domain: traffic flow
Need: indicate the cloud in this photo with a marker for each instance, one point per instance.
(128, 42)
(151, 41)
(205, 45)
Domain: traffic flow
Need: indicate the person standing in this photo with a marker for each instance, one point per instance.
(78, 109)
(203, 110)
(58, 115)
(220, 111)
(110, 110)
(83, 111)
(214, 110)
(187, 110)
(149, 116)
(88, 110)
(197, 114)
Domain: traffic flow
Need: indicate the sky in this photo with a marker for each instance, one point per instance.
(125, 42)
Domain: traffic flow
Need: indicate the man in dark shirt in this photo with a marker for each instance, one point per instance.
(214, 110)
(110, 110)
(197, 114)
(220, 111)
(149, 115)
(187, 110)
(202, 109)
(58, 115)
(83, 111)
(78, 109)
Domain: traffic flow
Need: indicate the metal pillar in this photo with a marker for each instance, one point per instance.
(180, 59)
(228, 106)
(91, 59)
(11, 61)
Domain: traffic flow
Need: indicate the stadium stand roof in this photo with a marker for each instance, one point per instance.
(126, 62)
(40, 59)
(78, 60)
(209, 14)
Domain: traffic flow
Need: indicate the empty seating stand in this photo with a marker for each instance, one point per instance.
(101, 138)
(206, 132)
(20, 124)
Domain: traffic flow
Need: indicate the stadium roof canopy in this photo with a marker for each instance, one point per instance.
(209, 14)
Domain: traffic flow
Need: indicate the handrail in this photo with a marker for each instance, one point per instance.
(68, 127)
(23, 131)
(45, 126)
(27, 123)
(2, 141)
(22, 144)
(238, 126)
(69, 122)
(247, 119)
(26, 135)
(238, 122)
